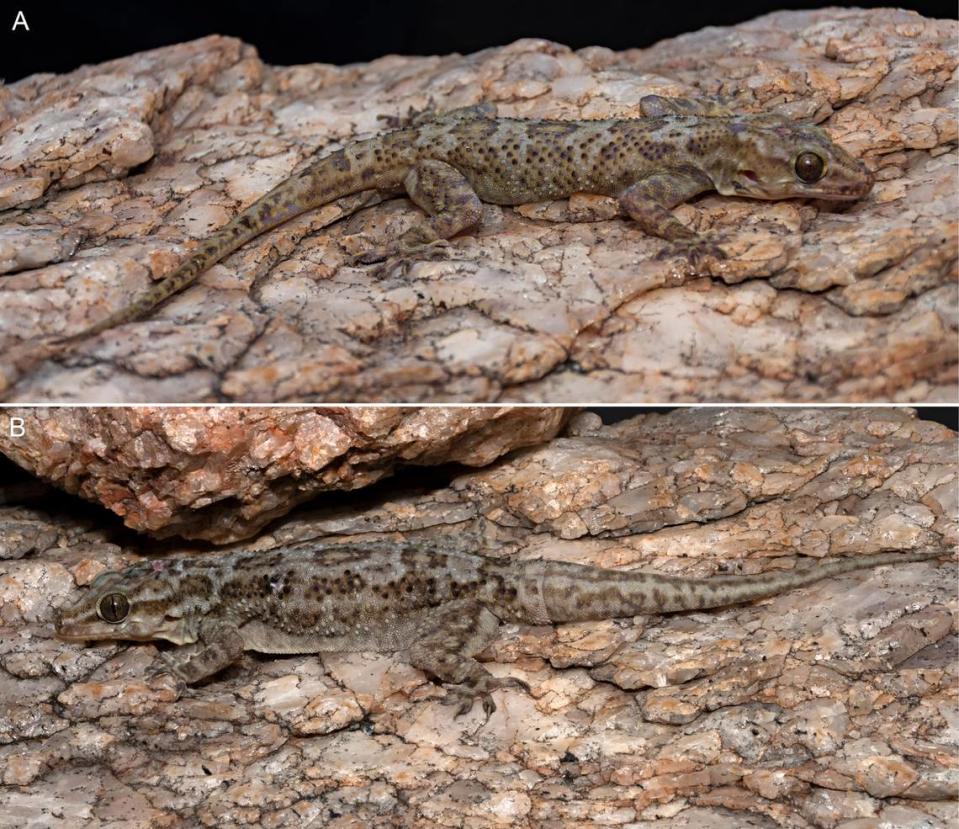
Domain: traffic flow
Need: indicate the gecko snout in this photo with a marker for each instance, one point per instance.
(853, 181)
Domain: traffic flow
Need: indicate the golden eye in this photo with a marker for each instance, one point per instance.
(810, 167)
(113, 607)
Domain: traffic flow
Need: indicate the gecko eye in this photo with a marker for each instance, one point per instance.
(810, 167)
(113, 607)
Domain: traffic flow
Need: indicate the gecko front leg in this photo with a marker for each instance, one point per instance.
(220, 645)
(649, 200)
(454, 634)
(484, 109)
(654, 106)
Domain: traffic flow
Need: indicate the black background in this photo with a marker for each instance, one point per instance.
(948, 416)
(64, 35)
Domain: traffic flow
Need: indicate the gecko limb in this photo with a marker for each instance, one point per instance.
(456, 633)
(649, 201)
(221, 645)
(449, 200)
(652, 106)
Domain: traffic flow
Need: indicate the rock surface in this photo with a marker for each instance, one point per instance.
(108, 174)
(831, 706)
(221, 474)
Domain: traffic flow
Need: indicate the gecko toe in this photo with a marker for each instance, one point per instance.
(371, 257)
(468, 700)
(398, 258)
(163, 676)
(462, 698)
(395, 266)
(488, 705)
(511, 683)
(467, 694)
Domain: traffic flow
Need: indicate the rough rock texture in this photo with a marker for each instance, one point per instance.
(221, 474)
(110, 172)
(831, 706)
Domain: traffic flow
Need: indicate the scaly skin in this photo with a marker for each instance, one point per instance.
(451, 163)
(441, 607)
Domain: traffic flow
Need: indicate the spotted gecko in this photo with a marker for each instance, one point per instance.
(441, 607)
(450, 164)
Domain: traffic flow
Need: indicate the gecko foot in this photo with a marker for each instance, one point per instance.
(398, 263)
(466, 694)
(399, 251)
(164, 676)
(698, 252)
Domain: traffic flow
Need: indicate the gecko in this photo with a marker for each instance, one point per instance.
(450, 164)
(438, 606)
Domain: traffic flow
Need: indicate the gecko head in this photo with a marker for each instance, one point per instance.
(135, 603)
(780, 158)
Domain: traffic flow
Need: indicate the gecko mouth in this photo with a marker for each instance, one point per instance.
(746, 181)
(844, 192)
(856, 185)
(72, 634)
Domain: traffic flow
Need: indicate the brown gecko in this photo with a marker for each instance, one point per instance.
(450, 164)
(439, 606)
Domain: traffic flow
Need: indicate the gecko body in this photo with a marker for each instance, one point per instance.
(440, 607)
(450, 164)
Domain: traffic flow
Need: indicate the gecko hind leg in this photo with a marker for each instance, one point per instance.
(484, 109)
(445, 196)
(445, 650)
(652, 106)
(698, 252)
(429, 114)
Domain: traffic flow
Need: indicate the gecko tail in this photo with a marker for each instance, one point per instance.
(330, 179)
(280, 205)
(604, 594)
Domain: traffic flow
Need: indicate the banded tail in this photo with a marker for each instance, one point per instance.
(576, 593)
(339, 174)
